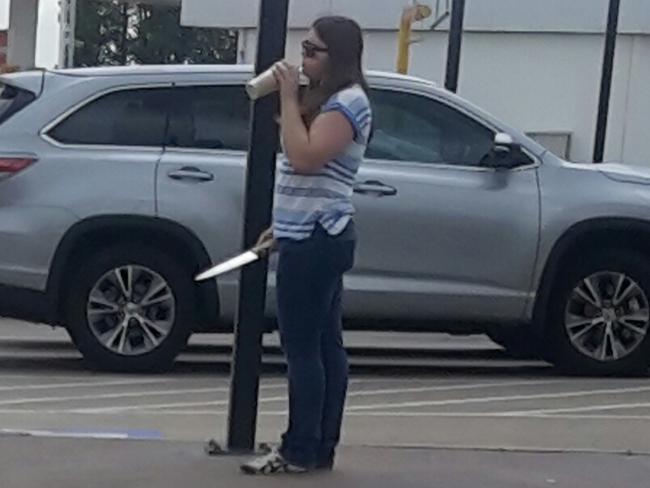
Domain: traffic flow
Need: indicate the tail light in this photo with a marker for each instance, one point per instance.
(11, 166)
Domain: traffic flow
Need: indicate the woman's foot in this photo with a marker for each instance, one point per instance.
(271, 463)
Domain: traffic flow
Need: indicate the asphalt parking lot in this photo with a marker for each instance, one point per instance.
(406, 390)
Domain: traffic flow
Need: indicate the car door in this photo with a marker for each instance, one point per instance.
(110, 147)
(441, 236)
(201, 175)
(97, 159)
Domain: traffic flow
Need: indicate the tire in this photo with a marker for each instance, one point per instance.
(146, 333)
(518, 342)
(597, 340)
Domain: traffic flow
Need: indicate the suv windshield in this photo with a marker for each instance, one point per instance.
(12, 100)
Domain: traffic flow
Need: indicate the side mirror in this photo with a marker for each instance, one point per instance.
(505, 154)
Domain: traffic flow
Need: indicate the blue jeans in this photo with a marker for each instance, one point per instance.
(309, 289)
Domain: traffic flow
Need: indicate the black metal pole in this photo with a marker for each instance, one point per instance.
(606, 81)
(454, 45)
(249, 327)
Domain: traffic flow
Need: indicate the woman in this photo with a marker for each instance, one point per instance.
(324, 134)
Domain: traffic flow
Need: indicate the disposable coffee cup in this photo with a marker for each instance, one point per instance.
(266, 83)
(262, 85)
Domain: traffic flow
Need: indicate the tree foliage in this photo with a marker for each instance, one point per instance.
(115, 33)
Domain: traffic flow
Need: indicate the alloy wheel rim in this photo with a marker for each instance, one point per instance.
(131, 310)
(607, 316)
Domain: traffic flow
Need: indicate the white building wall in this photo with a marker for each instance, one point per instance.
(535, 64)
(636, 134)
(540, 83)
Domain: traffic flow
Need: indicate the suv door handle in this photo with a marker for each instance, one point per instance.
(190, 173)
(374, 187)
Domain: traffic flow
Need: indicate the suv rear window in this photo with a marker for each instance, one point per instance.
(13, 100)
(130, 117)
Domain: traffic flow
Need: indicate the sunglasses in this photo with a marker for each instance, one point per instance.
(310, 49)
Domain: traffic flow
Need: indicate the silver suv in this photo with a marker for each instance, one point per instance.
(118, 184)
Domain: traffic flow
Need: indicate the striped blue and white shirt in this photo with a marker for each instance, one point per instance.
(325, 197)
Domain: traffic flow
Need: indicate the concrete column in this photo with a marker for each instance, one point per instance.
(23, 20)
(67, 21)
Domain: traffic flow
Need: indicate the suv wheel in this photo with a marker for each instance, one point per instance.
(601, 315)
(129, 309)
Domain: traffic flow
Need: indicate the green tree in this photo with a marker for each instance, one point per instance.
(114, 33)
(99, 33)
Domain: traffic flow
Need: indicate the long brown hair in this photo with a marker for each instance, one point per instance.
(344, 40)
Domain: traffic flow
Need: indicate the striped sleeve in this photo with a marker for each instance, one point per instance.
(354, 105)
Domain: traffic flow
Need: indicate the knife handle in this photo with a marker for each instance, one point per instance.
(265, 248)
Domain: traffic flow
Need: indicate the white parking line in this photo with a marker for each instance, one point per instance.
(591, 408)
(37, 339)
(493, 415)
(350, 394)
(62, 376)
(160, 406)
(364, 414)
(399, 379)
(139, 394)
(470, 386)
(72, 435)
(464, 401)
(284, 413)
(85, 384)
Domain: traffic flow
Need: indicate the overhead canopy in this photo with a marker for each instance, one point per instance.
(581, 16)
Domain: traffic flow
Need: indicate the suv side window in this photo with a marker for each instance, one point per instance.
(210, 117)
(123, 118)
(13, 100)
(415, 128)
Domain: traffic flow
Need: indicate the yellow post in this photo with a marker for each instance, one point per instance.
(410, 14)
